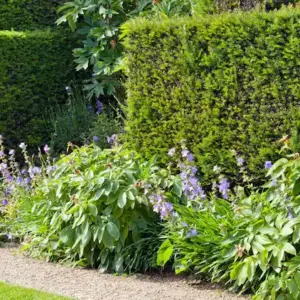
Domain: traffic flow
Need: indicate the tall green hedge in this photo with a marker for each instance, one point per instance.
(35, 66)
(28, 14)
(220, 82)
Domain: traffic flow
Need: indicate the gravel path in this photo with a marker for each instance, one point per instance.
(91, 285)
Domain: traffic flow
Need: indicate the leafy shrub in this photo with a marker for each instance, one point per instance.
(35, 66)
(92, 207)
(98, 22)
(28, 14)
(227, 82)
(251, 243)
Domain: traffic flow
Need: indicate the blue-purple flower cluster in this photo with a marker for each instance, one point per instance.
(192, 188)
(161, 206)
(13, 177)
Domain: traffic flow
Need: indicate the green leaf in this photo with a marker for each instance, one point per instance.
(296, 188)
(289, 248)
(296, 234)
(165, 252)
(293, 288)
(100, 233)
(286, 230)
(108, 240)
(93, 209)
(251, 266)
(113, 230)
(122, 200)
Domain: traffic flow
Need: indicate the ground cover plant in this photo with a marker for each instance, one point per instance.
(223, 83)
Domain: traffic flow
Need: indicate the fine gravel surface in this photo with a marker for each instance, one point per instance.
(91, 285)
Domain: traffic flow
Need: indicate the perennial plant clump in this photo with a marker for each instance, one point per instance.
(251, 242)
(93, 209)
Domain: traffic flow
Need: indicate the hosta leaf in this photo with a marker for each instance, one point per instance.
(293, 288)
(93, 209)
(100, 233)
(113, 230)
(296, 234)
(251, 266)
(165, 252)
(289, 248)
(108, 240)
(122, 200)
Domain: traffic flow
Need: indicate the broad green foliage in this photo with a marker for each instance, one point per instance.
(35, 67)
(98, 22)
(92, 207)
(28, 14)
(220, 82)
(252, 243)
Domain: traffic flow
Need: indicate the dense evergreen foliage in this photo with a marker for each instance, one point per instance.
(227, 82)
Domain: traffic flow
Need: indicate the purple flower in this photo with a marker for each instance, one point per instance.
(95, 139)
(156, 208)
(9, 236)
(11, 152)
(172, 152)
(194, 170)
(185, 153)
(112, 139)
(99, 107)
(1, 154)
(240, 161)
(4, 202)
(190, 157)
(3, 166)
(49, 169)
(166, 209)
(274, 182)
(224, 187)
(183, 175)
(184, 224)
(192, 232)
(8, 190)
(19, 180)
(9, 177)
(46, 149)
(28, 180)
(268, 164)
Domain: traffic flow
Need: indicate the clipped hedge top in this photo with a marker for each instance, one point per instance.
(28, 14)
(221, 82)
(158, 25)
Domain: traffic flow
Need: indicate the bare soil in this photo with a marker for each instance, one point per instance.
(91, 285)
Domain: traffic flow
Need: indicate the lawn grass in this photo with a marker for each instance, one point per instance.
(12, 292)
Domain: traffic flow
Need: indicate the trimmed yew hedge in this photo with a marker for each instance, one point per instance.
(34, 70)
(220, 82)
